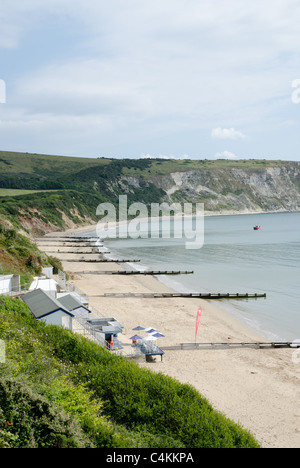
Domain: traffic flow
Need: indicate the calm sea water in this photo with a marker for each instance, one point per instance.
(235, 258)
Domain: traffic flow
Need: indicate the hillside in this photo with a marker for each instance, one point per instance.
(66, 191)
(43, 193)
(18, 255)
(60, 390)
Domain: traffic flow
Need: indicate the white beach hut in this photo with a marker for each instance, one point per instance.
(9, 284)
(48, 285)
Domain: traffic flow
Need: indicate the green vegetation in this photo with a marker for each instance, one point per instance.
(58, 389)
(32, 164)
(18, 255)
(167, 166)
(41, 172)
(52, 192)
(40, 168)
(16, 192)
(46, 211)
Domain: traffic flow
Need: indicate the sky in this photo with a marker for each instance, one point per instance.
(195, 79)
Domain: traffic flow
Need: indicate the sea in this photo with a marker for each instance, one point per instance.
(234, 258)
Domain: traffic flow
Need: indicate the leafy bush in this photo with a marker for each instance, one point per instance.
(56, 263)
(20, 256)
(33, 421)
(138, 398)
(61, 389)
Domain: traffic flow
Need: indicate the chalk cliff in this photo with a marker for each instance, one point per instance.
(226, 190)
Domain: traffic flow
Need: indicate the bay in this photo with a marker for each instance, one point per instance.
(233, 259)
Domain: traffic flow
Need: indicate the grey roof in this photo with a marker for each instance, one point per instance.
(106, 325)
(40, 303)
(70, 302)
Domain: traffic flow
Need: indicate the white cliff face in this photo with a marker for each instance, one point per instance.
(178, 181)
(228, 190)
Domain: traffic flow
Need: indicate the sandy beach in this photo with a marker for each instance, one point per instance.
(257, 388)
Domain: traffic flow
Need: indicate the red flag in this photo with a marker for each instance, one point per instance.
(198, 320)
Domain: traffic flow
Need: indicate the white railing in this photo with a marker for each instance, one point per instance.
(61, 280)
(89, 331)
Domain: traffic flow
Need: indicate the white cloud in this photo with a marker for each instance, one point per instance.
(226, 134)
(150, 70)
(225, 155)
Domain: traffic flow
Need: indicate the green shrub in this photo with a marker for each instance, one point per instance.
(34, 422)
(112, 402)
(140, 399)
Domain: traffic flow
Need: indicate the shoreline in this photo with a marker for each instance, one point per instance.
(255, 388)
(208, 214)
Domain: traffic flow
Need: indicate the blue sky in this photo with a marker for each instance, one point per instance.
(170, 78)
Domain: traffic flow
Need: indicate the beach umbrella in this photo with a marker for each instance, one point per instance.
(138, 328)
(150, 338)
(136, 337)
(158, 335)
(152, 330)
(148, 329)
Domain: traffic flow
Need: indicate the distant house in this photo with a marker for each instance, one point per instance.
(45, 307)
(74, 305)
(9, 284)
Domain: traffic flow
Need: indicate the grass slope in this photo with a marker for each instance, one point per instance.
(44, 172)
(58, 389)
(19, 256)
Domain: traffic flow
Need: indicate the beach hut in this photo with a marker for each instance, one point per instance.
(83, 299)
(46, 308)
(9, 284)
(109, 329)
(72, 304)
(48, 285)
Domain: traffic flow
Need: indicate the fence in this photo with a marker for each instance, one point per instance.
(87, 330)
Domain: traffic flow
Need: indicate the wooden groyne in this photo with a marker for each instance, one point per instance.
(67, 245)
(80, 253)
(184, 295)
(66, 237)
(84, 237)
(61, 246)
(227, 345)
(153, 273)
(62, 241)
(104, 260)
